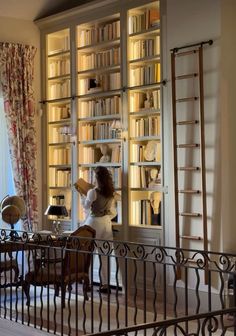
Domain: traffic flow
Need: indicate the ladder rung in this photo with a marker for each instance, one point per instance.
(189, 191)
(188, 145)
(190, 214)
(187, 122)
(189, 168)
(191, 237)
(192, 75)
(181, 100)
(185, 53)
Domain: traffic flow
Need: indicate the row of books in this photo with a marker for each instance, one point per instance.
(118, 218)
(138, 152)
(116, 154)
(59, 112)
(57, 200)
(98, 131)
(141, 212)
(100, 59)
(144, 48)
(89, 155)
(144, 75)
(144, 100)
(59, 67)
(58, 44)
(100, 107)
(149, 126)
(99, 33)
(59, 134)
(89, 176)
(93, 154)
(59, 89)
(60, 177)
(141, 177)
(105, 82)
(144, 20)
(60, 156)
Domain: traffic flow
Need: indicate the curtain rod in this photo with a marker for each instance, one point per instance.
(210, 42)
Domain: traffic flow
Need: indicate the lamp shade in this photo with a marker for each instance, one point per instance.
(56, 210)
(116, 124)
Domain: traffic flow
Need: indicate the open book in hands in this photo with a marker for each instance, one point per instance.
(82, 186)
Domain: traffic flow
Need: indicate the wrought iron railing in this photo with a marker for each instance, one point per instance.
(152, 290)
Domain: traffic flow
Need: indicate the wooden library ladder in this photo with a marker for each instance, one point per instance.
(180, 126)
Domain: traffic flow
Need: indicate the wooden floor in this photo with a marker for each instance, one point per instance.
(9, 328)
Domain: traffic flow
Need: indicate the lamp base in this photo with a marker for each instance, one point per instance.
(57, 226)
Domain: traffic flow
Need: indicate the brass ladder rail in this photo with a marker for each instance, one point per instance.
(178, 126)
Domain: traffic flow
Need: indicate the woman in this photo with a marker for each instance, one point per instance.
(99, 205)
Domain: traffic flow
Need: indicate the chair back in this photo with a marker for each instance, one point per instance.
(79, 247)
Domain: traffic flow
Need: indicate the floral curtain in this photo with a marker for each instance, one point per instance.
(16, 76)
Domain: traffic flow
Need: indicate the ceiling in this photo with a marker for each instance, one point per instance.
(35, 9)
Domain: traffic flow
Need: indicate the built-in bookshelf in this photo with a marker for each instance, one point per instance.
(100, 103)
(144, 67)
(58, 119)
(103, 103)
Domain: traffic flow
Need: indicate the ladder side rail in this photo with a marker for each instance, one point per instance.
(202, 146)
(202, 153)
(175, 158)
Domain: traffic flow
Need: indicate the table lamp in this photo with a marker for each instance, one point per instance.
(58, 211)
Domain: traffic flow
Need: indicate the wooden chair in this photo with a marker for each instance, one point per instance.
(9, 264)
(63, 272)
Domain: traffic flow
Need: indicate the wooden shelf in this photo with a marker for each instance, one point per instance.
(105, 141)
(145, 163)
(58, 53)
(60, 77)
(97, 46)
(103, 117)
(96, 164)
(99, 94)
(145, 138)
(146, 33)
(145, 112)
(140, 61)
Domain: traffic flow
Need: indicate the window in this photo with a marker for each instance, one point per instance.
(6, 176)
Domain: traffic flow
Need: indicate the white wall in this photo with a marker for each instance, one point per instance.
(228, 124)
(188, 22)
(26, 32)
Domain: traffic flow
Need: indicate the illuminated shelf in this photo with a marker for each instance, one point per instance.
(145, 163)
(96, 164)
(102, 117)
(145, 138)
(103, 141)
(89, 102)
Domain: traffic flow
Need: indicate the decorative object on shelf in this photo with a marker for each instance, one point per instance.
(94, 84)
(155, 201)
(150, 152)
(116, 129)
(154, 178)
(104, 148)
(57, 211)
(148, 102)
(12, 209)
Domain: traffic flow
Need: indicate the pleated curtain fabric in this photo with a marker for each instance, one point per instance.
(16, 78)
